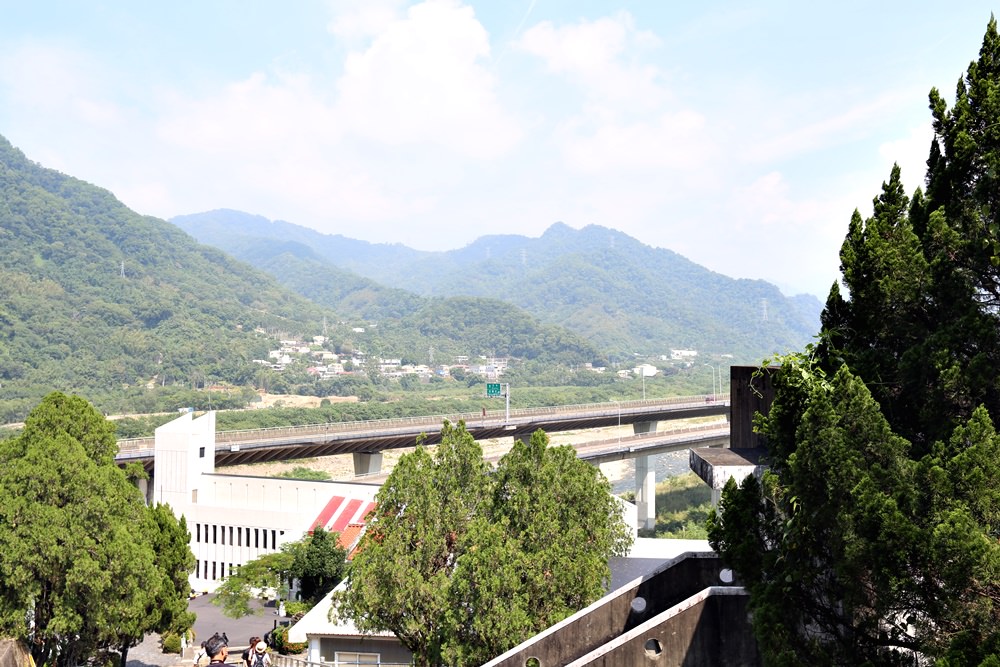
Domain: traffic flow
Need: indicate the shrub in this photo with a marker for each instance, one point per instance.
(280, 643)
(171, 643)
(293, 607)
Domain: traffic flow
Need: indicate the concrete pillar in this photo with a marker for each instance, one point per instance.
(147, 486)
(644, 427)
(367, 463)
(645, 493)
(523, 436)
(315, 652)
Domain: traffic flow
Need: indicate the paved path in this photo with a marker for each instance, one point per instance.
(209, 621)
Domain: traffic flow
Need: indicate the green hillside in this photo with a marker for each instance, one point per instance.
(604, 286)
(132, 313)
(99, 300)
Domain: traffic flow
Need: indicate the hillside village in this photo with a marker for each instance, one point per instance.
(324, 363)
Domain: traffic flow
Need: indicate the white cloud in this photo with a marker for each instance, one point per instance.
(843, 125)
(597, 56)
(422, 81)
(362, 19)
(44, 79)
(670, 141)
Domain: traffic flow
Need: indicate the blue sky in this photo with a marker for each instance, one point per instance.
(741, 135)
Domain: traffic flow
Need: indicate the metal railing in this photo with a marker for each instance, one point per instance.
(293, 661)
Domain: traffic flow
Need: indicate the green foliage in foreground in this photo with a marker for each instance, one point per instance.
(87, 568)
(873, 538)
(461, 562)
(853, 551)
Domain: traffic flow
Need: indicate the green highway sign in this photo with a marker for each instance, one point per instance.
(492, 389)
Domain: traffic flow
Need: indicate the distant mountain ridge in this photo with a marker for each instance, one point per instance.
(604, 285)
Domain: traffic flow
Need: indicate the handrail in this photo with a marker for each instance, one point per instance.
(279, 660)
(273, 432)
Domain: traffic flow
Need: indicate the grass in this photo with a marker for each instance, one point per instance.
(683, 503)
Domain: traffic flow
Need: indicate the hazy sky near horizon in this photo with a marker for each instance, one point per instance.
(740, 135)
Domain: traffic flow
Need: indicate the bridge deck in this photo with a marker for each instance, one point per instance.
(282, 443)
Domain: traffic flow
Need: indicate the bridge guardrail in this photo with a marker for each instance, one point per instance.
(603, 409)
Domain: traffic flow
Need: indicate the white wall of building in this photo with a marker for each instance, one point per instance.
(234, 519)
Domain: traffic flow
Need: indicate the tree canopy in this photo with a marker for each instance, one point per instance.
(873, 537)
(87, 567)
(316, 562)
(462, 562)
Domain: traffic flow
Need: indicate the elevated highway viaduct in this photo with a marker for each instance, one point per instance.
(365, 440)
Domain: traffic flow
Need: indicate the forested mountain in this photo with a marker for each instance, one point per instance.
(599, 283)
(96, 297)
(102, 301)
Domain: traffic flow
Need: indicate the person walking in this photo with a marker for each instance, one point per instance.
(259, 656)
(217, 650)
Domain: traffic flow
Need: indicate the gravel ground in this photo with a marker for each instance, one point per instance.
(148, 654)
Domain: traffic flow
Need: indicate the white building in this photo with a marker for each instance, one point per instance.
(234, 519)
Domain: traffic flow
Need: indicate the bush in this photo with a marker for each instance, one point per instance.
(171, 643)
(293, 607)
(279, 642)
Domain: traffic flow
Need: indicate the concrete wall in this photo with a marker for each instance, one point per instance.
(389, 649)
(749, 393)
(711, 629)
(619, 612)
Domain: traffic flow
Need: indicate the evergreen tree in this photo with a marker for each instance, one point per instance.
(79, 572)
(853, 551)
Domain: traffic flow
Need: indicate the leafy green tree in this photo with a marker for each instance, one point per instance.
(873, 540)
(316, 561)
(400, 577)
(535, 558)
(256, 577)
(318, 564)
(461, 562)
(79, 573)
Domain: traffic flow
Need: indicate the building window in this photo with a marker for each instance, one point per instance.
(213, 570)
(197, 532)
(256, 538)
(215, 535)
(274, 539)
(344, 659)
(230, 536)
(194, 496)
(222, 534)
(201, 452)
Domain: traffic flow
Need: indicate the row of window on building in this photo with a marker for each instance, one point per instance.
(217, 569)
(237, 536)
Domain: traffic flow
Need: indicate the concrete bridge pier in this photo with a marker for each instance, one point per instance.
(367, 463)
(146, 486)
(523, 436)
(645, 483)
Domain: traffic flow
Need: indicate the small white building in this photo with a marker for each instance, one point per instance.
(234, 519)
